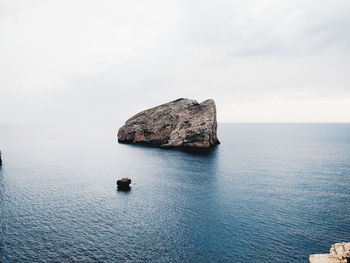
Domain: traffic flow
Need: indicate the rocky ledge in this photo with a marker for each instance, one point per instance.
(339, 253)
(182, 123)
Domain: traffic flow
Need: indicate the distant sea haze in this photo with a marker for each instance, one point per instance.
(267, 193)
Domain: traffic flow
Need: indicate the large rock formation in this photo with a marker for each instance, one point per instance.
(182, 123)
(339, 253)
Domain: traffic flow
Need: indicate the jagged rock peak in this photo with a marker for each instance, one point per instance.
(182, 123)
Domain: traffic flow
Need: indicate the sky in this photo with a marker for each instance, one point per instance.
(102, 61)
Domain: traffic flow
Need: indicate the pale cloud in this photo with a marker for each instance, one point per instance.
(102, 61)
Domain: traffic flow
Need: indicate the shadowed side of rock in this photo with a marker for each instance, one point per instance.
(124, 183)
(183, 123)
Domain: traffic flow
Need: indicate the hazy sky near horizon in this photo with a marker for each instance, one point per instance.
(83, 61)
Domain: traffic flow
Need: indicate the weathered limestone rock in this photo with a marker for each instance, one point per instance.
(341, 250)
(324, 258)
(182, 123)
(339, 253)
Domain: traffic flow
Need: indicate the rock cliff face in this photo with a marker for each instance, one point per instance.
(339, 253)
(182, 123)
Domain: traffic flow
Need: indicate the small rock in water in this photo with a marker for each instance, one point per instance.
(124, 183)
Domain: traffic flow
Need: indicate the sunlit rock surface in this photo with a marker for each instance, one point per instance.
(339, 253)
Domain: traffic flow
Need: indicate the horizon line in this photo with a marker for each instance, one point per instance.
(221, 122)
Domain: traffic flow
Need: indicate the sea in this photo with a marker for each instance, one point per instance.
(267, 193)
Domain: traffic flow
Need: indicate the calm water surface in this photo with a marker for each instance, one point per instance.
(268, 193)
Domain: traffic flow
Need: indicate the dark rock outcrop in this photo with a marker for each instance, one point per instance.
(124, 183)
(0, 158)
(182, 123)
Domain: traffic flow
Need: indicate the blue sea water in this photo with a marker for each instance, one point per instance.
(268, 193)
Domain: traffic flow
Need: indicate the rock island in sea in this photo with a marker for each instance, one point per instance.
(182, 123)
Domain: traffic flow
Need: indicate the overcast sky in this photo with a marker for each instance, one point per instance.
(81, 61)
